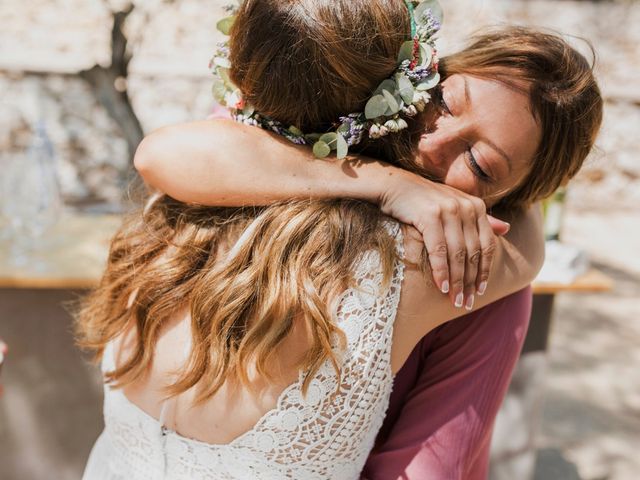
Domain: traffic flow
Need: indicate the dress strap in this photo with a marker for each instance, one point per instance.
(171, 402)
(163, 411)
(108, 363)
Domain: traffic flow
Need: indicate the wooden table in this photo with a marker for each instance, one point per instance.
(75, 253)
(590, 282)
(72, 255)
(514, 447)
(593, 281)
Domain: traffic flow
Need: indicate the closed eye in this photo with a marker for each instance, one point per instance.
(471, 160)
(475, 168)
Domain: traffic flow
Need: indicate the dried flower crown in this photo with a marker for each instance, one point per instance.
(403, 94)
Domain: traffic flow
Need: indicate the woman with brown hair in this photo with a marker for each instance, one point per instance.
(463, 366)
(305, 290)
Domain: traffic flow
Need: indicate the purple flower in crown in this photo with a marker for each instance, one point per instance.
(352, 128)
(416, 74)
(429, 24)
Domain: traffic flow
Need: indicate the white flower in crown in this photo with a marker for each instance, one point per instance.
(392, 125)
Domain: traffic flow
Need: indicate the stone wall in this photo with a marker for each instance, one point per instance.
(592, 409)
(46, 44)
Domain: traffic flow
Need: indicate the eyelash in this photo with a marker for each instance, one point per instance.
(475, 168)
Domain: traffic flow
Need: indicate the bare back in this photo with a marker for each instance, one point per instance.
(235, 409)
(264, 429)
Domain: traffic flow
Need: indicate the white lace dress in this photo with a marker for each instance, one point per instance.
(314, 437)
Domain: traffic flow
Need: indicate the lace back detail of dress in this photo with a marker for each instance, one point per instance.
(326, 434)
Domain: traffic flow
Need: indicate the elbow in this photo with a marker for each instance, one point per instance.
(537, 253)
(538, 260)
(143, 159)
(533, 246)
(534, 263)
(150, 160)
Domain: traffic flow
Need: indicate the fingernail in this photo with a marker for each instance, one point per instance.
(508, 226)
(482, 288)
(469, 304)
(445, 286)
(459, 300)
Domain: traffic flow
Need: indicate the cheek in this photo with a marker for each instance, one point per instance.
(458, 176)
(432, 154)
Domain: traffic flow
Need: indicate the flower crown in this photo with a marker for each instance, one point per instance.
(403, 94)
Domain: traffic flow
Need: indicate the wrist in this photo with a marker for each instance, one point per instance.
(377, 181)
(396, 187)
(354, 177)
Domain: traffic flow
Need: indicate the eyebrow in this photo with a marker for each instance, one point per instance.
(467, 99)
(467, 95)
(500, 151)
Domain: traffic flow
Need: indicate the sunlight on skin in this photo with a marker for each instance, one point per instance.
(486, 122)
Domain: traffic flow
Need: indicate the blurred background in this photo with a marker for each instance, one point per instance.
(82, 81)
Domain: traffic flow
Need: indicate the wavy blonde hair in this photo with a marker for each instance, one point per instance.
(290, 262)
(294, 258)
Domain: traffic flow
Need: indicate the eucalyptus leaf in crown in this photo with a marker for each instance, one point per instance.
(400, 96)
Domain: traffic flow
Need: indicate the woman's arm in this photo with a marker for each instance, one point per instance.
(518, 260)
(224, 163)
(221, 162)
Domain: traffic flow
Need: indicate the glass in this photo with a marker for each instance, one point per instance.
(31, 202)
(553, 208)
(4, 227)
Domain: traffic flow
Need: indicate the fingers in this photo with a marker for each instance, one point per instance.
(436, 245)
(459, 238)
(473, 253)
(488, 248)
(456, 252)
(498, 226)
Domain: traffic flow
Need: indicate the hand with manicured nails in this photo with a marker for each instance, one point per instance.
(459, 235)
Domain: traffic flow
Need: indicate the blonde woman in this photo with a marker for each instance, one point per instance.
(262, 342)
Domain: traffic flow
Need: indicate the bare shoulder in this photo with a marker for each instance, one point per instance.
(413, 318)
(423, 307)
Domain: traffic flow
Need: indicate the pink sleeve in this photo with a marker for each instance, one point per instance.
(447, 395)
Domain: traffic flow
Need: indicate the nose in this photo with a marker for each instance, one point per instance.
(444, 143)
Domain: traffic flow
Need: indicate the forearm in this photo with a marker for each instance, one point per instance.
(222, 163)
(521, 251)
(518, 258)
